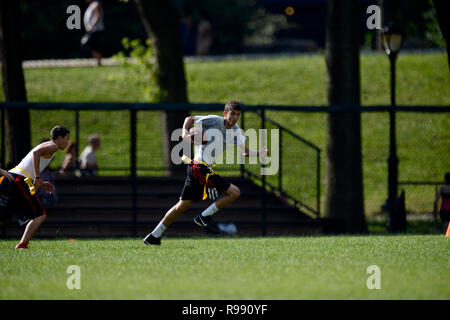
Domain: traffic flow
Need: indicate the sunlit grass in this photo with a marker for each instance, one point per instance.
(412, 267)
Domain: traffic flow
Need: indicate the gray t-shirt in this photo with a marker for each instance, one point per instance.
(218, 137)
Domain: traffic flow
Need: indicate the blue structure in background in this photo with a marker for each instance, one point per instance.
(310, 15)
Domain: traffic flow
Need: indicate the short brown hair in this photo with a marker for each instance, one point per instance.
(232, 105)
(95, 137)
(59, 131)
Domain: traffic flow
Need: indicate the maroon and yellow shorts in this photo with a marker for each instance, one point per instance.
(15, 198)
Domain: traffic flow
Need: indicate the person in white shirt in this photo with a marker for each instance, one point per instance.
(95, 29)
(19, 194)
(88, 160)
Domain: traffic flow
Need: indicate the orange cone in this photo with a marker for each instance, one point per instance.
(447, 235)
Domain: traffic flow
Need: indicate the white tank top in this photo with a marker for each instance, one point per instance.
(27, 165)
(88, 18)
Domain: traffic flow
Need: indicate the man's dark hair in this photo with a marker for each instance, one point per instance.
(233, 105)
(447, 178)
(59, 131)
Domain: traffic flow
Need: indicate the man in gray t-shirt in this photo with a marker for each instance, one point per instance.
(217, 136)
(201, 181)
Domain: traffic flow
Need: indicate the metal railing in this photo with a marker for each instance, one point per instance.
(131, 165)
(278, 188)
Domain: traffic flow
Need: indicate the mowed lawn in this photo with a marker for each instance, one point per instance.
(292, 268)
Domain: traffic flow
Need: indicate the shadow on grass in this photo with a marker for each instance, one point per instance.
(413, 227)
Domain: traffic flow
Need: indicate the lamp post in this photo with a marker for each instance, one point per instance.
(392, 42)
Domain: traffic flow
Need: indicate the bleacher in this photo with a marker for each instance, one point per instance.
(103, 207)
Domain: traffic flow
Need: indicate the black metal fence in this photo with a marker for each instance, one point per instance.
(131, 145)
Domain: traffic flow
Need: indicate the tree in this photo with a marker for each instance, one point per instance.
(344, 188)
(18, 120)
(442, 8)
(161, 21)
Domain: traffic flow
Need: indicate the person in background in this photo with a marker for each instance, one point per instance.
(88, 160)
(70, 165)
(204, 35)
(187, 31)
(444, 193)
(95, 29)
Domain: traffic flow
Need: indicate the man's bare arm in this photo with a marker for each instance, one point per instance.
(44, 149)
(253, 153)
(5, 173)
(188, 123)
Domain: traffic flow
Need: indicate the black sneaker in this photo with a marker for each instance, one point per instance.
(207, 223)
(151, 240)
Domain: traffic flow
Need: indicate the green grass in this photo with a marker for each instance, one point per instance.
(412, 267)
(422, 79)
(423, 139)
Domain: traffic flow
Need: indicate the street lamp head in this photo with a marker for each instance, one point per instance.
(392, 39)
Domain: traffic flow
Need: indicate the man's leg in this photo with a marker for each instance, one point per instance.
(204, 219)
(31, 229)
(98, 56)
(169, 218)
(175, 211)
(229, 196)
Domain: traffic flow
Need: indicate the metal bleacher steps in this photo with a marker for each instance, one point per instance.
(103, 207)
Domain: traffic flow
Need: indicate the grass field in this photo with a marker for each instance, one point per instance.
(411, 267)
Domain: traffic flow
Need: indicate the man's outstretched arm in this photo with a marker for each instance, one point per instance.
(188, 123)
(42, 149)
(253, 153)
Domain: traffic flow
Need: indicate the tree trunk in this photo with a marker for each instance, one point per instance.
(344, 188)
(161, 21)
(442, 9)
(18, 120)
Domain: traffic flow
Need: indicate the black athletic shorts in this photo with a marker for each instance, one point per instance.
(95, 41)
(15, 198)
(195, 183)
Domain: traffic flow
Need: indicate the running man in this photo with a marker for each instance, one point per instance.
(201, 182)
(18, 192)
